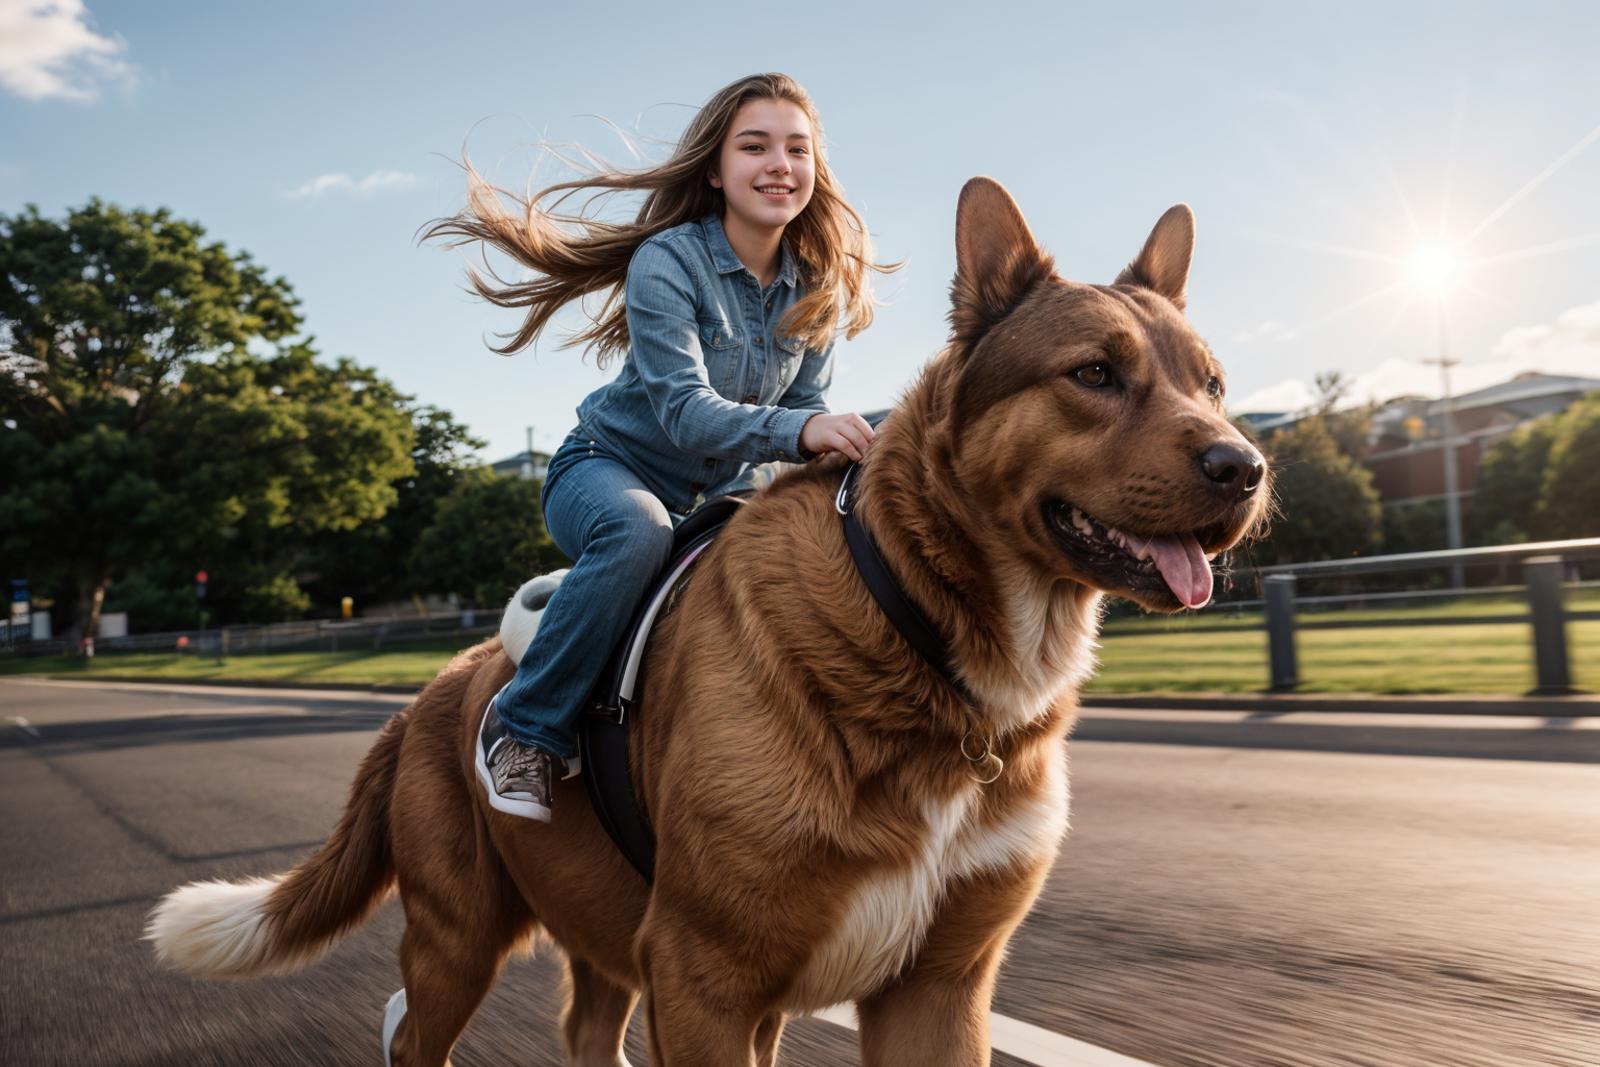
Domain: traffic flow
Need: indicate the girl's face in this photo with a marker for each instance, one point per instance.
(766, 167)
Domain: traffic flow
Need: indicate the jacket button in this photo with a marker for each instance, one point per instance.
(761, 340)
(751, 399)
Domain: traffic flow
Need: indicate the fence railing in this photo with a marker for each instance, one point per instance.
(1544, 566)
(317, 635)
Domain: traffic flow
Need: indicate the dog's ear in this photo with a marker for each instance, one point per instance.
(997, 259)
(1163, 263)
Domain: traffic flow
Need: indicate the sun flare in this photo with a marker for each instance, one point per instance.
(1434, 267)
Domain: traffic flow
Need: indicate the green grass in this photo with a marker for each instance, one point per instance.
(1581, 600)
(1180, 654)
(1492, 658)
(414, 664)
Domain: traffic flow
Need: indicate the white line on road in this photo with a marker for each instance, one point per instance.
(1035, 1044)
(1436, 720)
(24, 725)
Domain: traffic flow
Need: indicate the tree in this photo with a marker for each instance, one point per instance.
(1569, 499)
(136, 427)
(372, 562)
(1510, 484)
(1327, 506)
(487, 538)
(1348, 424)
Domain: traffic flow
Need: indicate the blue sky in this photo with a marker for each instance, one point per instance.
(1318, 145)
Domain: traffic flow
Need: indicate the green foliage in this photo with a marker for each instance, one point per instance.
(1415, 526)
(1327, 506)
(106, 307)
(274, 598)
(1569, 504)
(487, 538)
(139, 433)
(1510, 482)
(370, 562)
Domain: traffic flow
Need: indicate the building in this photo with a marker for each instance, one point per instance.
(1407, 439)
(526, 464)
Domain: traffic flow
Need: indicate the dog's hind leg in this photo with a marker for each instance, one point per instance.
(450, 955)
(596, 1019)
(463, 912)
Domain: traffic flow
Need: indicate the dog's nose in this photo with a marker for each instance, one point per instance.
(1233, 471)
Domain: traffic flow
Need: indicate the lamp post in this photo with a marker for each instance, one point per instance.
(1452, 498)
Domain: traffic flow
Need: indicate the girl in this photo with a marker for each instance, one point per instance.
(741, 264)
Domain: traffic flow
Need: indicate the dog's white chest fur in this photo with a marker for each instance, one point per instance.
(888, 916)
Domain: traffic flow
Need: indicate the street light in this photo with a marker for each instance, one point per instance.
(1436, 269)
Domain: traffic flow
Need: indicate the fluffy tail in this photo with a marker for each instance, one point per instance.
(280, 924)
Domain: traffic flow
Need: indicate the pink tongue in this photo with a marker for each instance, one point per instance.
(1184, 566)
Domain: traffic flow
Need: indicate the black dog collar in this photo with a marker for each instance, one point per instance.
(913, 625)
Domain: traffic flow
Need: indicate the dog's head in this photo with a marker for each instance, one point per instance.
(1098, 408)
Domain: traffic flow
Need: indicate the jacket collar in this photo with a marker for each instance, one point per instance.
(727, 261)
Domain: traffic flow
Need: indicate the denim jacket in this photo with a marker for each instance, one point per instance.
(709, 385)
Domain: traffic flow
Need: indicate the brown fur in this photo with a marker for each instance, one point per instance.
(795, 755)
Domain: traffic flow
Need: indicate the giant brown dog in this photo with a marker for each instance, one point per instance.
(822, 833)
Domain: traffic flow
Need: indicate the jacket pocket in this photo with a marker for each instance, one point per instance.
(721, 345)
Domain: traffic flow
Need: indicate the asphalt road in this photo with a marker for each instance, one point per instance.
(1236, 890)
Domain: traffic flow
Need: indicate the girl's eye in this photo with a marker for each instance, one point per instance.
(750, 146)
(1095, 375)
(1214, 387)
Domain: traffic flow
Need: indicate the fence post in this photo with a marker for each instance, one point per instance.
(1279, 590)
(1545, 605)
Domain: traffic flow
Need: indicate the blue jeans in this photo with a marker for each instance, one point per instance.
(601, 515)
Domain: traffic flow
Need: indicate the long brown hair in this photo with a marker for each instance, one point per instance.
(577, 254)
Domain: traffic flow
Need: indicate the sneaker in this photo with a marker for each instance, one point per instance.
(519, 779)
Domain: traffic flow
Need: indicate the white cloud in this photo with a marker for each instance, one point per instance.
(1570, 345)
(377, 181)
(1285, 396)
(1271, 330)
(49, 51)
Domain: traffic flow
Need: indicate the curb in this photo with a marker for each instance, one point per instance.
(1577, 705)
(228, 683)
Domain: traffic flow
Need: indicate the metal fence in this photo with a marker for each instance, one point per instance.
(1544, 567)
(324, 635)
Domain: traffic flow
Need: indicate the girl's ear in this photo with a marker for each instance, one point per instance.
(997, 259)
(714, 178)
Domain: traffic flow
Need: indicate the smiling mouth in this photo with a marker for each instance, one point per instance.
(1168, 568)
(774, 190)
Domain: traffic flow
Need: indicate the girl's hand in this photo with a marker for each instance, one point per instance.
(848, 433)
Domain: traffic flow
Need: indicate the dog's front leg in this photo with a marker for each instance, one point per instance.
(700, 1001)
(936, 1014)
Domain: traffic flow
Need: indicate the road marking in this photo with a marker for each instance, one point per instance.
(1388, 719)
(24, 725)
(1034, 1044)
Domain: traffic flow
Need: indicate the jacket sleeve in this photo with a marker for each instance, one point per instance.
(664, 337)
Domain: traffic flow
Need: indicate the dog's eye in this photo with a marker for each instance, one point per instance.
(1214, 387)
(1095, 375)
